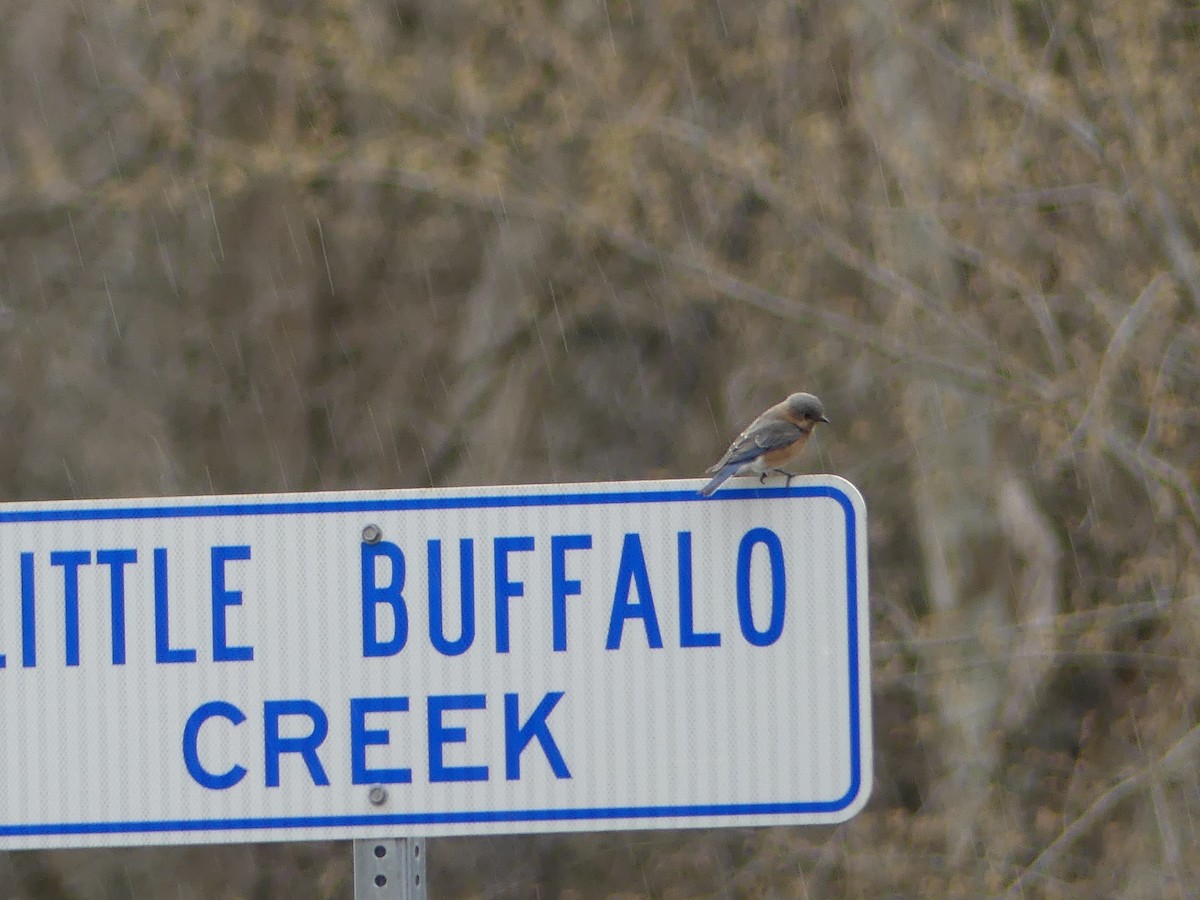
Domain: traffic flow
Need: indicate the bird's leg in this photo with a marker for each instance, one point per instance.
(789, 480)
(762, 478)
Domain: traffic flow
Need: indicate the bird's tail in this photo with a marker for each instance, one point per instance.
(723, 475)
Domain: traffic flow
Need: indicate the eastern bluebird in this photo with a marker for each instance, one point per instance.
(771, 443)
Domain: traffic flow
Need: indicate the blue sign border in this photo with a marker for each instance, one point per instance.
(290, 507)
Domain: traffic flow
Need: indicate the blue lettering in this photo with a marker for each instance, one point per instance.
(163, 651)
(374, 595)
(774, 629)
(440, 735)
(71, 560)
(562, 587)
(191, 753)
(518, 736)
(306, 745)
(505, 588)
(362, 737)
(631, 571)
(117, 560)
(437, 624)
(222, 599)
(688, 636)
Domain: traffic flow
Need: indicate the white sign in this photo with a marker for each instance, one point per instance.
(432, 662)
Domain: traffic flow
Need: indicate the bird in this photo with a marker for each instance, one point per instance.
(770, 443)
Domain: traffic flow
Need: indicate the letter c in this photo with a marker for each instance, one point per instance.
(191, 735)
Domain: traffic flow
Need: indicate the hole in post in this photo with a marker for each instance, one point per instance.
(380, 851)
(380, 880)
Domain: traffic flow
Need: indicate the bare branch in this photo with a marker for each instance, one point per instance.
(1181, 752)
(1114, 354)
(1176, 246)
(1081, 130)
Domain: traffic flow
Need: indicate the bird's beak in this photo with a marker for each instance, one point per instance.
(823, 419)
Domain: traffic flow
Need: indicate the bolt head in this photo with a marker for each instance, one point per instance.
(377, 795)
(372, 534)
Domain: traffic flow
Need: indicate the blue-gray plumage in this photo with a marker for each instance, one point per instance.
(771, 442)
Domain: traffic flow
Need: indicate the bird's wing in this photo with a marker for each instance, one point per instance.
(756, 440)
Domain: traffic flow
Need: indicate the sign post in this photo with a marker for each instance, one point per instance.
(390, 869)
(381, 666)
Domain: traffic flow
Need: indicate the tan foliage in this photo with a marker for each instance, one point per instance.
(250, 246)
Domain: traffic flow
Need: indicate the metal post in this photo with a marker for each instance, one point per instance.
(390, 869)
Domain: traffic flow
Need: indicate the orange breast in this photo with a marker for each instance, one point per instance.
(782, 455)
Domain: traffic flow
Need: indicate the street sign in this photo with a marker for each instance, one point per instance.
(432, 662)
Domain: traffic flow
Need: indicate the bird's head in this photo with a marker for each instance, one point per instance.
(805, 410)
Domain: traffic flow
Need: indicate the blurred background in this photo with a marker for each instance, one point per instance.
(266, 245)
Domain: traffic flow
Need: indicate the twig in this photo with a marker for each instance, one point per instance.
(1114, 354)
(1141, 461)
(1175, 243)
